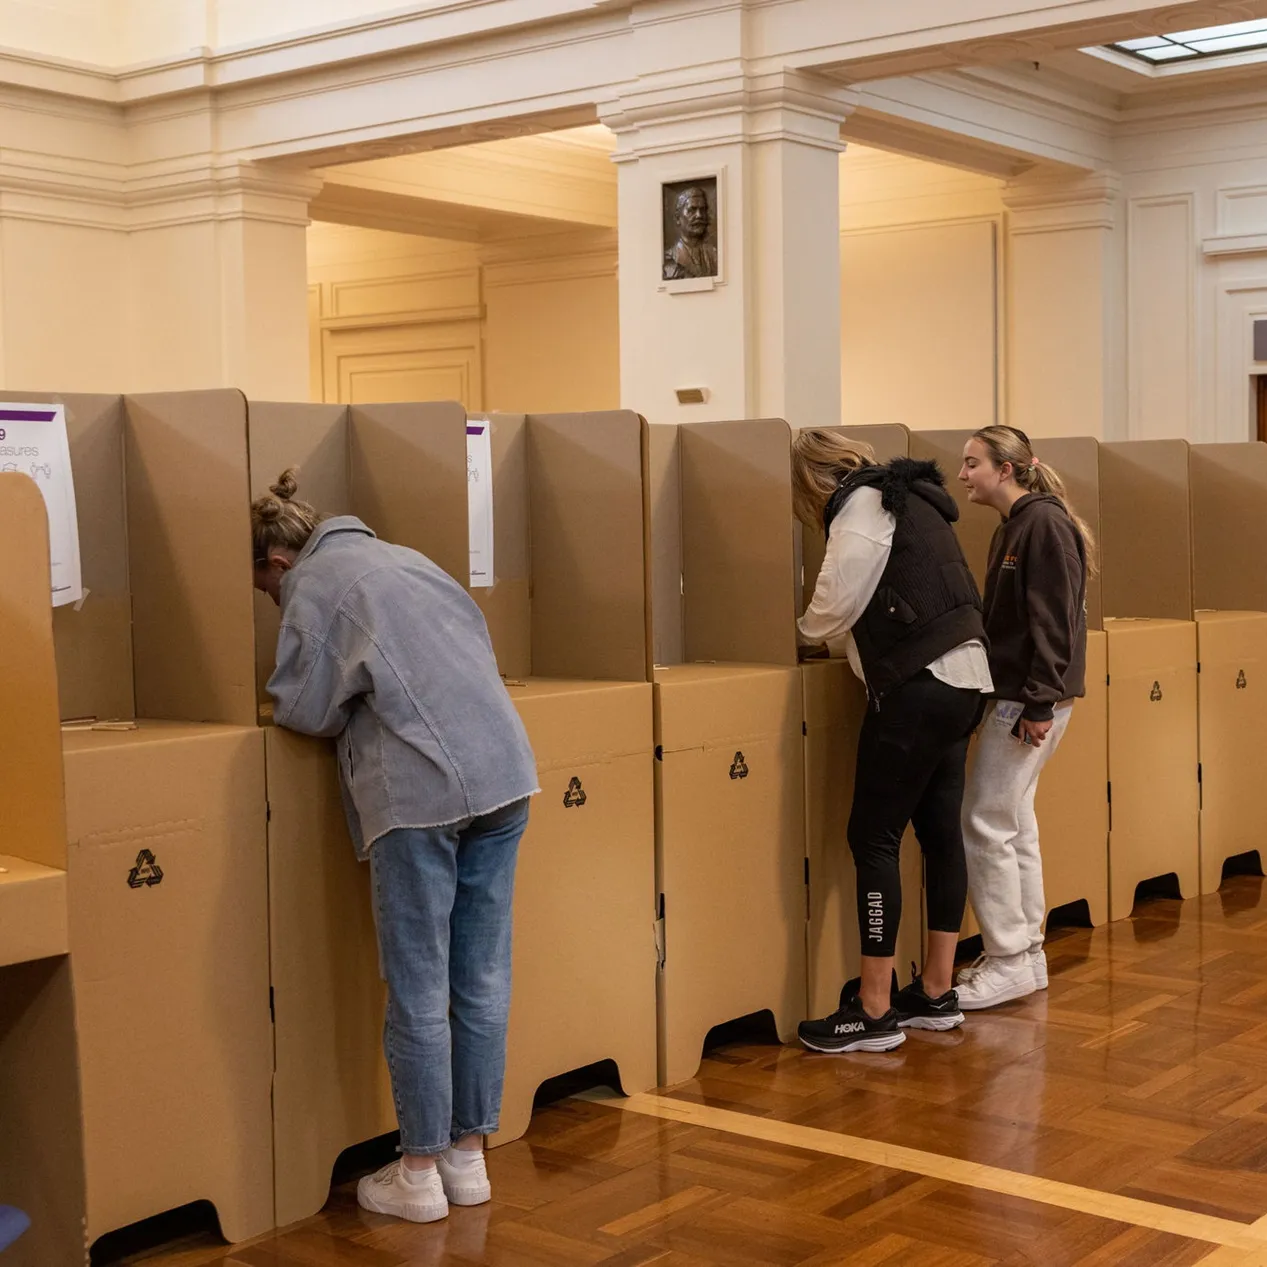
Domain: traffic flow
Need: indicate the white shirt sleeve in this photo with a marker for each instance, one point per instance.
(857, 553)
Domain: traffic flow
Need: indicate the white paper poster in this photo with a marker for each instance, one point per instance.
(33, 442)
(479, 499)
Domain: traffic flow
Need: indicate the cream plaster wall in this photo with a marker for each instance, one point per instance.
(526, 324)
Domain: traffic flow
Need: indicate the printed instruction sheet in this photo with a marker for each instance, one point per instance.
(479, 499)
(33, 442)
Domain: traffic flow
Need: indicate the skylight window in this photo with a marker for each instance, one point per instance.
(1205, 41)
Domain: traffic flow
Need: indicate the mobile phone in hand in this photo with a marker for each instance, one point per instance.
(1016, 732)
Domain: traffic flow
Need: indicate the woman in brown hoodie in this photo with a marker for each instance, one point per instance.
(1036, 623)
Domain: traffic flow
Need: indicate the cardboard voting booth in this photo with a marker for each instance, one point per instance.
(730, 843)
(1228, 492)
(1146, 553)
(41, 1160)
(168, 921)
(1231, 692)
(834, 703)
(567, 615)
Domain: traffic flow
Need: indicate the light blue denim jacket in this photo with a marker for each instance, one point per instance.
(383, 649)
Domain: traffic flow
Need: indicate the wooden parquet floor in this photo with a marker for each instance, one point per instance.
(1118, 1119)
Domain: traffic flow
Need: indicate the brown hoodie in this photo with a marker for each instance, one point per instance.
(1035, 607)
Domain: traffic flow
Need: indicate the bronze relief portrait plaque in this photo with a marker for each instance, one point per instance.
(690, 229)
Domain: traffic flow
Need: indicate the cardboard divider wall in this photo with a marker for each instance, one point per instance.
(330, 1088)
(1147, 563)
(1231, 684)
(569, 601)
(1072, 804)
(1154, 806)
(165, 631)
(730, 771)
(41, 1160)
(169, 943)
(1228, 497)
(1228, 490)
(1146, 530)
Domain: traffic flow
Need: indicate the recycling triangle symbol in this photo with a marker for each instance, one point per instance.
(1155, 693)
(575, 796)
(146, 872)
(739, 767)
(1241, 683)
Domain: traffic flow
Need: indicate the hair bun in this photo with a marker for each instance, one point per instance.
(287, 485)
(268, 509)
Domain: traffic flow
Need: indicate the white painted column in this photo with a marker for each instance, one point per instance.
(191, 279)
(219, 283)
(1066, 347)
(762, 338)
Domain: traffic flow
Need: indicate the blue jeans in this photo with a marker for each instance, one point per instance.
(442, 904)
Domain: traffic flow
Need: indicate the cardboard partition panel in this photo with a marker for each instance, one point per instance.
(977, 524)
(331, 1087)
(1228, 490)
(169, 941)
(835, 702)
(730, 858)
(584, 959)
(740, 595)
(94, 638)
(569, 598)
(189, 543)
(1232, 689)
(1153, 757)
(1146, 534)
(1072, 802)
(314, 439)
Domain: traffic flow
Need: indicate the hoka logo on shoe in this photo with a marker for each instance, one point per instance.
(853, 1027)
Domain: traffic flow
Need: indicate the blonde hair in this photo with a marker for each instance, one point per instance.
(279, 521)
(1008, 444)
(821, 457)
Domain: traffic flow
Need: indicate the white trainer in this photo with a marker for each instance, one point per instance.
(999, 980)
(966, 974)
(388, 1191)
(465, 1177)
(1038, 963)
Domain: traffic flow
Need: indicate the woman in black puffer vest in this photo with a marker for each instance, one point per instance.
(895, 595)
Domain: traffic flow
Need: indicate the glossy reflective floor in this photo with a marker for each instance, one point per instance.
(1120, 1118)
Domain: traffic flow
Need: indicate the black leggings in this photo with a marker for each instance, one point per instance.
(911, 755)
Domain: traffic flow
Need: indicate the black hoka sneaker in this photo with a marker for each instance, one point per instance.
(851, 1029)
(915, 1010)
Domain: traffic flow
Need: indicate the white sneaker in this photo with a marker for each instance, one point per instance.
(966, 974)
(388, 1191)
(465, 1182)
(1038, 963)
(998, 980)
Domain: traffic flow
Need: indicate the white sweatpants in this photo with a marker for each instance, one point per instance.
(1000, 830)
